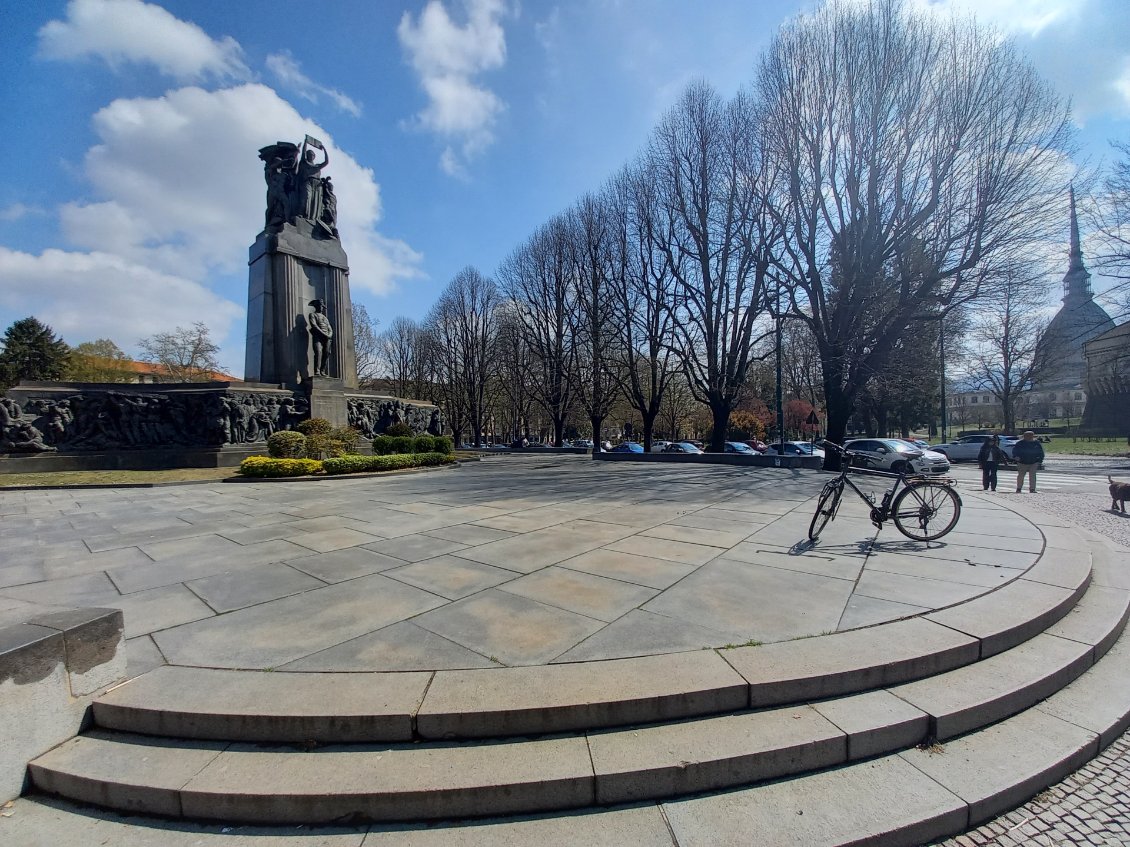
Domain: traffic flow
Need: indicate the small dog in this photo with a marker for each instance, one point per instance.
(1119, 494)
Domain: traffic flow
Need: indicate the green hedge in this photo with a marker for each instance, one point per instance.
(266, 466)
(287, 444)
(358, 464)
(388, 445)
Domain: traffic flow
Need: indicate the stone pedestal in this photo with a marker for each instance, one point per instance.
(327, 399)
(288, 269)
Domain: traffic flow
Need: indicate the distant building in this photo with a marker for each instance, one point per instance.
(151, 373)
(1061, 393)
(1108, 383)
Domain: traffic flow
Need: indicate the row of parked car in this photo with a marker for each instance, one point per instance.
(886, 454)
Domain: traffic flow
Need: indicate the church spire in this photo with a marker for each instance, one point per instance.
(1077, 280)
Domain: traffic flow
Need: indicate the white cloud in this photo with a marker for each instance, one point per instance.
(289, 74)
(1027, 16)
(1079, 45)
(181, 189)
(447, 57)
(121, 31)
(18, 211)
(84, 296)
(178, 198)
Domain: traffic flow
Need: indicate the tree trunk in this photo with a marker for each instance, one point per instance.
(649, 430)
(720, 412)
(839, 408)
(597, 424)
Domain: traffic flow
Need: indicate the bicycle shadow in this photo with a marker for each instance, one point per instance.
(865, 547)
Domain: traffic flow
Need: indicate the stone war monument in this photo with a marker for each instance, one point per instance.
(299, 317)
(300, 359)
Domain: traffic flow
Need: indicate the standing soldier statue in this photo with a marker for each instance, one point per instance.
(320, 335)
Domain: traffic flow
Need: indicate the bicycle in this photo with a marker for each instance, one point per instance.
(923, 504)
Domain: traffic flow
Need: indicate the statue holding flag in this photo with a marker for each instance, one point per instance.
(295, 187)
(308, 180)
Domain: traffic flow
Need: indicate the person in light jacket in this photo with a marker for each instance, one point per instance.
(1028, 453)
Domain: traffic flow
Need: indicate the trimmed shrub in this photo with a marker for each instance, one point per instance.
(399, 429)
(382, 445)
(287, 444)
(315, 426)
(444, 444)
(402, 443)
(423, 444)
(323, 439)
(265, 466)
(398, 461)
(343, 440)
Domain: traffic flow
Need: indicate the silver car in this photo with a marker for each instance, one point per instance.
(966, 448)
(897, 456)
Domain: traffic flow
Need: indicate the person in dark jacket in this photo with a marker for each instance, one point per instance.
(989, 459)
(1028, 453)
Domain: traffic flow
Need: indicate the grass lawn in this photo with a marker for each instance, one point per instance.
(1082, 447)
(134, 477)
(114, 477)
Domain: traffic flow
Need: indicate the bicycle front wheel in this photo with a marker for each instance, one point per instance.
(926, 511)
(825, 509)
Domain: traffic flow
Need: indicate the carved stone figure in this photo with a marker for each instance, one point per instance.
(321, 334)
(328, 219)
(371, 417)
(296, 188)
(17, 434)
(308, 183)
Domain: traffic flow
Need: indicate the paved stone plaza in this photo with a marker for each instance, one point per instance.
(513, 560)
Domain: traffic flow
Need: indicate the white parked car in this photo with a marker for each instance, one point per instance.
(966, 448)
(659, 446)
(897, 456)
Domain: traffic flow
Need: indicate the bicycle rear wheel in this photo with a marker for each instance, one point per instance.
(825, 509)
(926, 511)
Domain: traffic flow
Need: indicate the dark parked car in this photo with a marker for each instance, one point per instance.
(740, 447)
(627, 447)
(685, 447)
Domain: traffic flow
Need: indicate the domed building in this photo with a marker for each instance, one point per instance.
(1061, 391)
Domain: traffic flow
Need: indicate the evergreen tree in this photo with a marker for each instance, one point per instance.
(32, 352)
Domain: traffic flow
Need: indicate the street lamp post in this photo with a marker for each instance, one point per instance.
(942, 349)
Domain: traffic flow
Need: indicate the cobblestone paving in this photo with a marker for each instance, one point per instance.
(1092, 807)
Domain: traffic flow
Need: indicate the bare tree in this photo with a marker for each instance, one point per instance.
(713, 180)
(514, 372)
(644, 298)
(1009, 348)
(185, 354)
(464, 324)
(1110, 216)
(366, 345)
(602, 254)
(919, 156)
(402, 354)
(539, 279)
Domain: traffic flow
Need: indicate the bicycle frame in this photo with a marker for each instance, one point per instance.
(922, 511)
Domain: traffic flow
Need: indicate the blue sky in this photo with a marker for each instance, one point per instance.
(455, 127)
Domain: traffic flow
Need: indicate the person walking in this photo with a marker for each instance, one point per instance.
(989, 459)
(1028, 454)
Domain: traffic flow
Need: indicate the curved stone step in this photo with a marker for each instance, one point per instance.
(905, 799)
(240, 782)
(499, 702)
